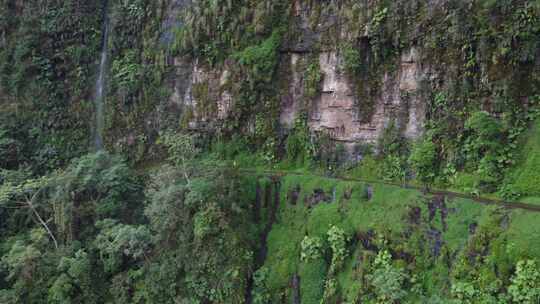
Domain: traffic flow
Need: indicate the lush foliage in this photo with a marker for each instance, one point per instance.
(165, 221)
(387, 280)
(424, 160)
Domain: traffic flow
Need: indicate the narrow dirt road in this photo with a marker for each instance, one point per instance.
(450, 194)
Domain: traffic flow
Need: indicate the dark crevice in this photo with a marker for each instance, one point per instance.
(271, 203)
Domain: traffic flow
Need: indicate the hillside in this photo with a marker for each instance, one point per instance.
(269, 151)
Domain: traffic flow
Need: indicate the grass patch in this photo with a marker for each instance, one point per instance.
(524, 178)
(523, 234)
(348, 208)
(388, 213)
(464, 214)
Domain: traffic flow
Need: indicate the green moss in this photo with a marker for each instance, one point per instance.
(262, 58)
(351, 278)
(353, 63)
(315, 15)
(312, 277)
(283, 254)
(345, 208)
(312, 80)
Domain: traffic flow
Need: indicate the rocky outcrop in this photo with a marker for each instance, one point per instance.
(336, 111)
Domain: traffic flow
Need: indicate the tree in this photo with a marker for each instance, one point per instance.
(182, 150)
(27, 195)
(116, 241)
(205, 227)
(95, 186)
(29, 264)
(74, 283)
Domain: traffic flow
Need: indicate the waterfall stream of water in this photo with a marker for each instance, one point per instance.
(99, 92)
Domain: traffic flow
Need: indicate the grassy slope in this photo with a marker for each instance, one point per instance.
(388, 214)
(525, 177)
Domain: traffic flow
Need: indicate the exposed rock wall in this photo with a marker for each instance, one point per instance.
(431, 52)
(335, 111)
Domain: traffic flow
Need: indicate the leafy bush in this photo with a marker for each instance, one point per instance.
(465, 292)
(525, 285)
(74, 284)
(260, 292)
(424, 160)
(338, 243)
(116, 241)
(182, 150)
(126, 71)
(206, 223)
(485, 135)
(387, 280)
(393, 168)
(298, 146)
(311, 249)
(391, 141)
(206, 231)
(483, 148)
(262, 59)
(102, 178)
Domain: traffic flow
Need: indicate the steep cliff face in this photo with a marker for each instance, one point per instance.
(248, 108)
(336, 109)
(406, 53)
(265, 70)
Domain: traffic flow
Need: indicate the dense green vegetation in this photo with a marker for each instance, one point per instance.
(188, 206)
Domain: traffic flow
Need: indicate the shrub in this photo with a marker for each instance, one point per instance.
(387, 280)
(423, 160)
(393, 168)
(298, 145)
(311, 248)
(260, 293)
(484, 147)
(263, 58)
(118, 241)
(391, 141)
(484, 136)
(525, 286)
(338, 241)
(464, 292)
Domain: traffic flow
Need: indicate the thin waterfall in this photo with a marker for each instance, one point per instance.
(99, 94)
